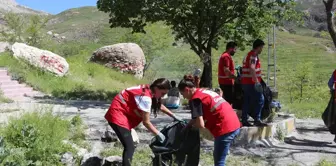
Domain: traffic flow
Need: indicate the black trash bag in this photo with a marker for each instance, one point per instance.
(176, 146)
(329, 115)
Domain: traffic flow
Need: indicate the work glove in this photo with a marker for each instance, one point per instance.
(258, 87)
(160, 137)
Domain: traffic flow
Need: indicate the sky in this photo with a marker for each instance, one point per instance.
(55, 6)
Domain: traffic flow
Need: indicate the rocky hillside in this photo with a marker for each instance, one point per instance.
(13, 6)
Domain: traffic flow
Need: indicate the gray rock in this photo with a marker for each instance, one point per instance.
(68, 159)
(126, 57)
(113, 161)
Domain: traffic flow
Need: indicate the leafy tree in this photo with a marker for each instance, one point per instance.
(330, 21)
(299, 81)
(201, 23)
(20, 29)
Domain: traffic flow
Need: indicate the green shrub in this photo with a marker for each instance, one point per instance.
(35, 139)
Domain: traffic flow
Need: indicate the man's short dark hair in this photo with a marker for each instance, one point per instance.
(173, 83)
(257, 43)
(231, 44)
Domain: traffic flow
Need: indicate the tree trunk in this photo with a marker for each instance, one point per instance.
(206, 79)
(329, 6)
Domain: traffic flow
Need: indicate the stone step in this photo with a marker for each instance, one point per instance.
(12, 86)
(19, 89)
(3, 72)
(19, 94)
(8, 82)
(5, 77)
(16, 88)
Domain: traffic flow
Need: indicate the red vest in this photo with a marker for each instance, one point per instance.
(222, 77)
(218, 115)
(246, 77)
(124, 110)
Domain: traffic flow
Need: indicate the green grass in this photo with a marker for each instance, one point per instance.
(35, 139)
(142, 157)
(4, 99)
(324, 162)
(84, 80)
(93, 81)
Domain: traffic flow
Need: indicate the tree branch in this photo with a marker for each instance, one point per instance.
(213, 32)
(328, 5)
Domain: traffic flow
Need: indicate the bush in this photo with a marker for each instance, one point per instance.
(34, 139)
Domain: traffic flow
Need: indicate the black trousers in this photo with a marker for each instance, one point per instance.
(126, 140)
(228, 92)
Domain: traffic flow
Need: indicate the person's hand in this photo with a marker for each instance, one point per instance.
(258, 87)
(160, 137)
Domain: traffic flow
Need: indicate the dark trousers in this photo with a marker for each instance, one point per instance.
(228, 92)
(126, 140)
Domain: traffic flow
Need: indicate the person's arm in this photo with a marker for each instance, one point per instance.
(331, 82)
(144, 103)
(165, 110)
(226, 62)
(253, 63)
(197, 113)
(146, 122)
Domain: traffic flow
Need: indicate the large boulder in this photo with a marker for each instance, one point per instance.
(4, 46)
(43, 59)
(126, 57)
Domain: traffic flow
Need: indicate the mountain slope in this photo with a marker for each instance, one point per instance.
(13, 6)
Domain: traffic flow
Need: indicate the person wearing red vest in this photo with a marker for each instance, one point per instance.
(132, 106)
(209, 110)
(250, 80)
(226, 72)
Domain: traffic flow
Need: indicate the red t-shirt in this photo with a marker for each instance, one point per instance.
(225, 61)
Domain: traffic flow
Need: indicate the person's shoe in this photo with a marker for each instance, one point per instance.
(247, 124)
(259, 123)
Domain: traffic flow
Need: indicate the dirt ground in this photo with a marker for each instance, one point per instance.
(308, 145)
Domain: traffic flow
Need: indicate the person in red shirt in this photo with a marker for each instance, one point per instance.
(134, 105)
(209, 110)
(226, 75)
(250, 80)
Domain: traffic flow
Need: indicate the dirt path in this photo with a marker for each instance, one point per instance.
(307, 146)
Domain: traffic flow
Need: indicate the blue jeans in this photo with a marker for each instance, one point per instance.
(252, 98)
(222, 146)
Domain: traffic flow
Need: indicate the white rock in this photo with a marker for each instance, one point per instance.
(42, 59)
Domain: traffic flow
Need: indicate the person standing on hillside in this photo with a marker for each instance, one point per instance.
(226, 70)
(252, 88)
(134, 105)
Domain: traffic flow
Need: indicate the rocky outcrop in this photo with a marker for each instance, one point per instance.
(126, 57)
(42, 59)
